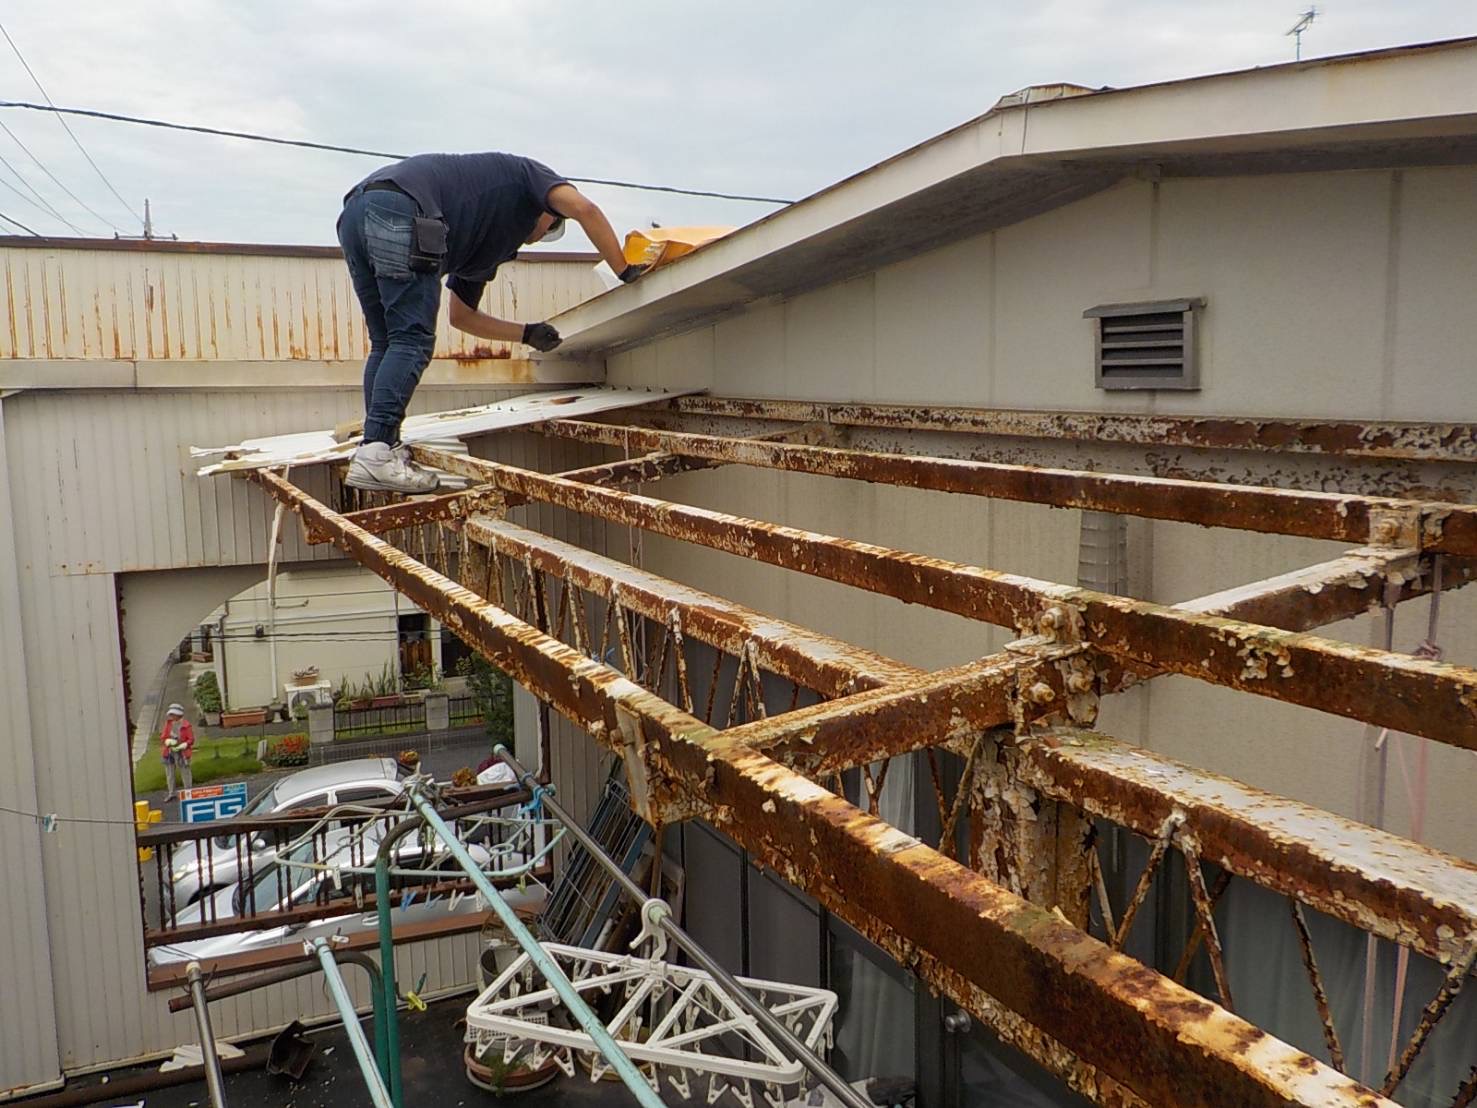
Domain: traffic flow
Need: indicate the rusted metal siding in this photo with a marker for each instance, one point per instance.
(132, 305)
(101, 483)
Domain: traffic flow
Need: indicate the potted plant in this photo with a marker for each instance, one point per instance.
(305, 677)
(493, 1074)
(207, 693)
(386, 692)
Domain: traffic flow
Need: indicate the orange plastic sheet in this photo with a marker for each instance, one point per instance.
(660, 245)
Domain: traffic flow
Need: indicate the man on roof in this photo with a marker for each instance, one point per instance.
(454, 215)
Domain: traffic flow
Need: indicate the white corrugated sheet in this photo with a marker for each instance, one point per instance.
(310, 447)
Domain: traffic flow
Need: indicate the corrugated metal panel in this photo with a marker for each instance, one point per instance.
(104, 304)
(101, 483)
(28, 1047)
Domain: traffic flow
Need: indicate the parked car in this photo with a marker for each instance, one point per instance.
(212, 864)
(277, 886)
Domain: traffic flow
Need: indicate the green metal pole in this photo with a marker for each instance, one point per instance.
(391, 997)
(378, 1094)
(587, 1020)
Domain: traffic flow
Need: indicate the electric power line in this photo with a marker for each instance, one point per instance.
(306, 144)
(54, 177)
(47, 97)
(44, 206)
(18, 223)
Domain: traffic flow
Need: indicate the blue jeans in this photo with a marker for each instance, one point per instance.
(400, 305)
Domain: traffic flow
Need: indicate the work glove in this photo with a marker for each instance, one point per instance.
(631, 272)
(541, 337)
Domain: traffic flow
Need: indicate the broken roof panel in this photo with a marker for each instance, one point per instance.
(315, 447)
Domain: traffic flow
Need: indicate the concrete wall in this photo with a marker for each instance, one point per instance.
(1339, 294)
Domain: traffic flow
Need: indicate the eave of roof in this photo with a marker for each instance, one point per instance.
(1408, 106)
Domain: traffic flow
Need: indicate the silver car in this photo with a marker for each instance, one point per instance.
(210, 864)
(283, 887)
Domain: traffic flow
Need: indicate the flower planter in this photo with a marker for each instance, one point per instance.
(386, 701)
(248, 717)
(212, 719)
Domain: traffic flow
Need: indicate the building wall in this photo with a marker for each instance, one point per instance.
(340, 618)
(123, 356)
(1338, 294)
(218, 305)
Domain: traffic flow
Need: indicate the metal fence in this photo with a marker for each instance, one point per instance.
(373, 722)
(465, 711)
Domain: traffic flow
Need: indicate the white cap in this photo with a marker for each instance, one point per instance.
(175, 710)
(556, 232)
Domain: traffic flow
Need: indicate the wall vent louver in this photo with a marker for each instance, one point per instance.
(1150, 345)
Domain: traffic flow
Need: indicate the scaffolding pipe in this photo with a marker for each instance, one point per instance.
(378, 1094)
(588, 1021)
(214, 1083)
(221, 990)
(705, 962)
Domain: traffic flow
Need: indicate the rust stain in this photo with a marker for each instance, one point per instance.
(480, 352)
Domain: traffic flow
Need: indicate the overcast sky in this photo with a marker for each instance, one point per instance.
(778, 99)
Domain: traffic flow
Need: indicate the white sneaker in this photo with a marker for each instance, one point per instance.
(376, 466)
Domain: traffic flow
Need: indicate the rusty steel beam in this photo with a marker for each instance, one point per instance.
(416, 511)
(1359, 519)
(658, 464)
(1439, 442)
(635, 471)
(1412, 695)
(818, 662)
(1163, 1041)
(1399, 890)
(1315, 596)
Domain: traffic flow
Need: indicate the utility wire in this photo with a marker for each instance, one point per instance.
(18, 223)
(39, 818)
(44, 206)
(47, 97)
(115, 117)
(58, 181)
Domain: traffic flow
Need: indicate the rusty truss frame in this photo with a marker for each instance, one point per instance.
(996, 911)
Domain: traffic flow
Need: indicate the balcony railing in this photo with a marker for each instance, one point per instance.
(268, 880)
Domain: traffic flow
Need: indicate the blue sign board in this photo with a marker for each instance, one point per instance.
(211, 802)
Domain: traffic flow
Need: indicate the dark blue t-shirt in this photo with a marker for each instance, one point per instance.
(490, 203)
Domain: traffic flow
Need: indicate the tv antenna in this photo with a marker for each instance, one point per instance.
(1299, 27)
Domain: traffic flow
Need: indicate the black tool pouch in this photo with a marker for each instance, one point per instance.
(427, 245)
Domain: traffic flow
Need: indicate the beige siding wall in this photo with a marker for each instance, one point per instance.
(161, 305)
(28, 1032)
(100, 483)
(1343, 294)
(339, 618)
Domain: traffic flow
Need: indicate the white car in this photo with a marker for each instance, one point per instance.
(206, 865)
(284, 887)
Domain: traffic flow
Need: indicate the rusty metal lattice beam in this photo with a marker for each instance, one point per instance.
(1163, 1041)
(1357, 519)
(1412, 695)
(826, 665)
(1400, 890)
(1441, 442)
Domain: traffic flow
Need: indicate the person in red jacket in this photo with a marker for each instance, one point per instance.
(176, 745)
